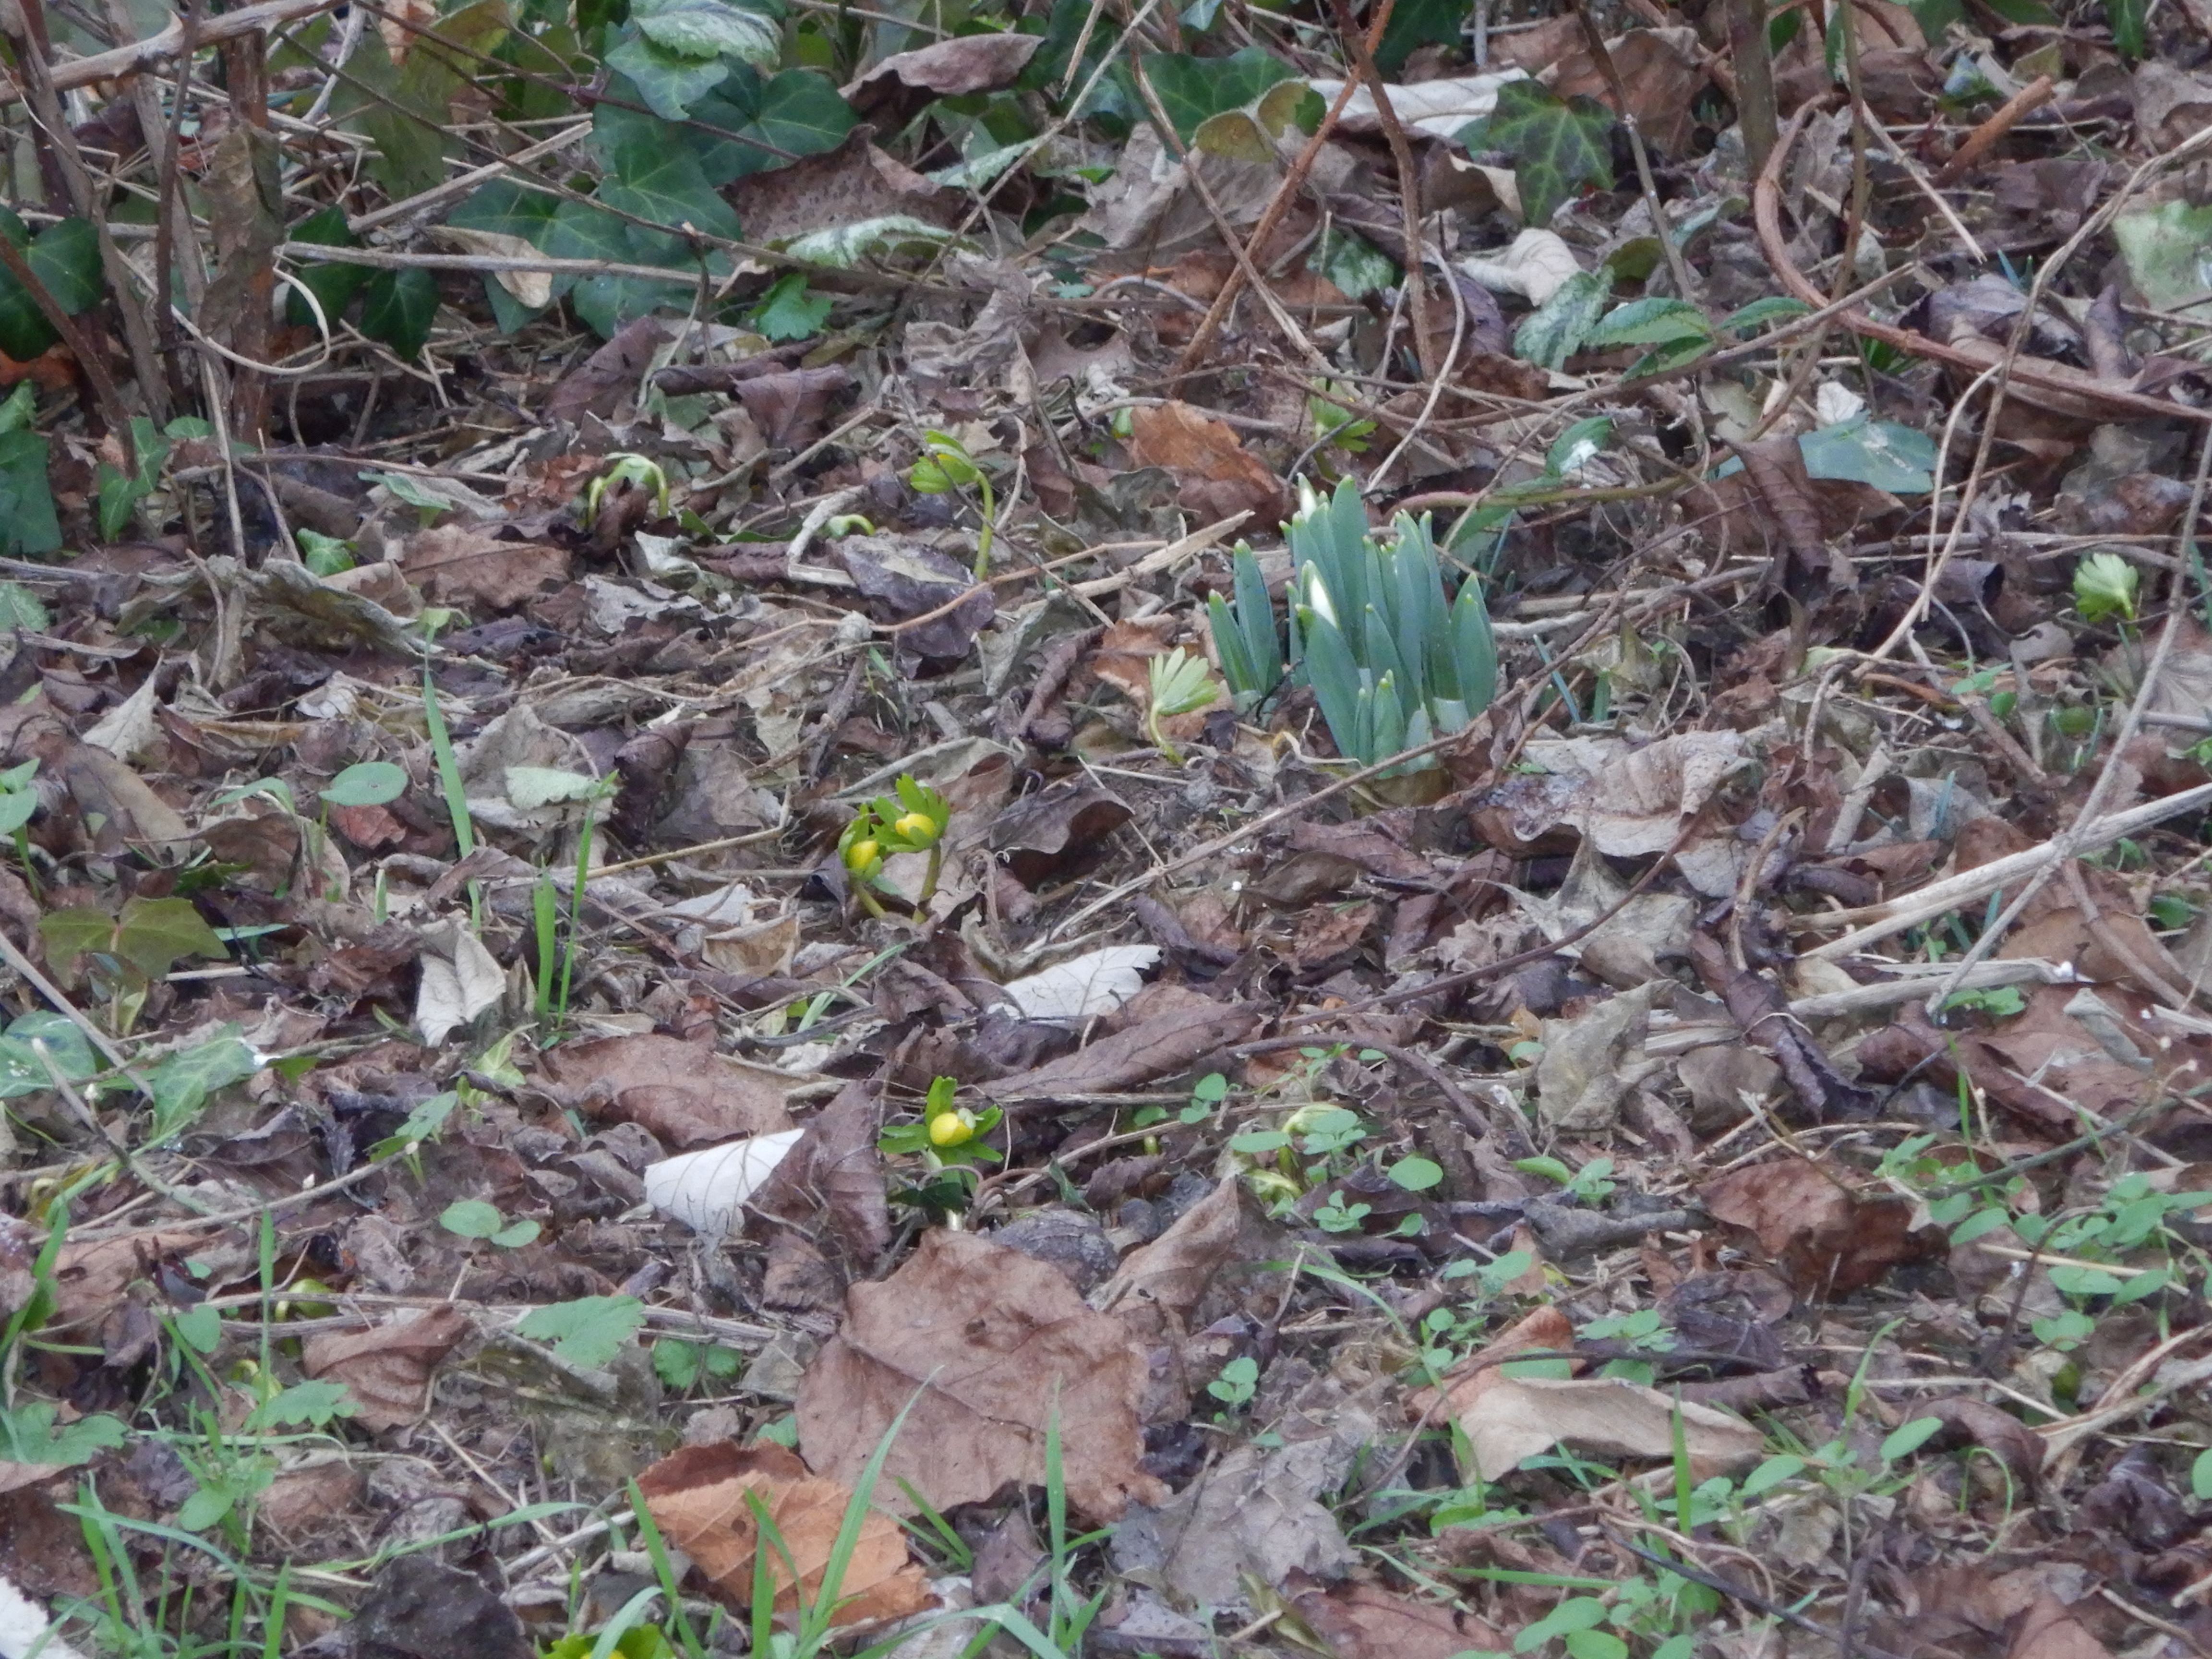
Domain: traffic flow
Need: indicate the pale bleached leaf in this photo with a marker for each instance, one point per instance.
(1096, 982)
(705, 1189)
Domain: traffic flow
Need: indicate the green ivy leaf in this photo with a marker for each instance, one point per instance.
(66, 256)
(20, 1071)
(1559, 328)
(798, 112)
(657, 181)
(179, 1084)
(333, 285)
(1192, 89)
(152, 935)
(1557, 145)
(709, 29)
(396, 308)
(670, 81)
(587, 1332)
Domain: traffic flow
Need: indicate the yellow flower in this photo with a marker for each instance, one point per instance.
(952, 1128)
(919, 828)
(862, 855)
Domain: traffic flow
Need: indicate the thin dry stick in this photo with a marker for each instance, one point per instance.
(1278, 205)
(1984, 138)
(1594, 38)
(1168, 135)
(1409, 188)
(176, 40)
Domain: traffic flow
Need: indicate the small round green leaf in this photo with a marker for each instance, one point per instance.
(1416, 1175)
(471, 1217)
(370, 783)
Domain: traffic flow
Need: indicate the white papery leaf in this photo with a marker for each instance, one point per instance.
(1536, 266)
(24, 1628)
(705, 1189)
(461, 980)
(1435, 109)
(1096, 982)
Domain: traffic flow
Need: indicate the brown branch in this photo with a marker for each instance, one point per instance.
(172, 41)
(2062, 388)
(1984, 138)
(1409, 188)
(1278, 205)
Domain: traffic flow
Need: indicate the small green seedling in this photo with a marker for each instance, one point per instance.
(472, 1218)
(1181, 684)
(627, 471)
(1239, 1380)
(2105, 586)
(945, 466)
(914, 822)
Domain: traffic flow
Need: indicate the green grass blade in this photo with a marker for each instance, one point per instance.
(1475, 647)
(1256, 616)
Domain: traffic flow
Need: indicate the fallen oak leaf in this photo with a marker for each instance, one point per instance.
(701, 1498)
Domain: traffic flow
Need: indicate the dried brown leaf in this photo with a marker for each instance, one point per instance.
(387, 1367)
(684, 1092)
(1827, 1238)
(473, 566)
(1160, 1047)
(988, 1346)
(701, 1498)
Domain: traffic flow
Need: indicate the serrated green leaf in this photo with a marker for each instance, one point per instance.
(529, 788)
(1558, 145)
(313, 1404)
(587, 1332)
(792, 311)
(397, 309)
(27, 1435)
(1192, 89)
(1655, 320)
(21, 607)
(1559, 327)
(1774, 308)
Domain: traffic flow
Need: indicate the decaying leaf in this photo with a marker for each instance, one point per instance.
(988, 1346)
(684, 1092)
(703, 1500)
(387, 1367)
(1828, 1238)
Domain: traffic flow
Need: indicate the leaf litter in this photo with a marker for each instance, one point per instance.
(1378, 831)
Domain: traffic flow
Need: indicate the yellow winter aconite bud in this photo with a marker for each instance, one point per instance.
(862, 855)
(952, 1128)
(917, 827)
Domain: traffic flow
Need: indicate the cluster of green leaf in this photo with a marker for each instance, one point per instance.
(1390, 662)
